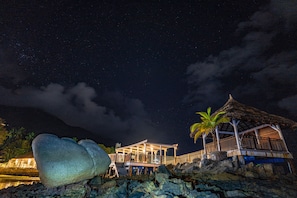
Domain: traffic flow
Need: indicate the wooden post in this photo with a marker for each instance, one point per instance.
(137, 154)
(160, 154)
(257, 136)
(281, 136)
(152, 155)
(218, 139)
(204, 143)
(165, 154)
(144, 152)
(234, 124)
(174, 155)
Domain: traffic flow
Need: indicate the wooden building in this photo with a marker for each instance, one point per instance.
(251, 135)
(141, 157)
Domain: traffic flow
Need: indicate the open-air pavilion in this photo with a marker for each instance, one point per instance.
(143, 155)
(251, 135)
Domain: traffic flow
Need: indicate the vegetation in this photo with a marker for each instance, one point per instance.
(208, 123)
(108, 150)
(14, 142)
(3, 131)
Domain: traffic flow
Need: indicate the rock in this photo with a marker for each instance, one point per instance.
(189, 168)
(205, 162)
(268, 168)
(251, 174)
(96, 182)
(187, 186)
(250, 166)
(235, 162)
(161, 177)
(218, 155)
(163, 169)
(235, 193)
(63, 161)
(226, 163)
(109, 184)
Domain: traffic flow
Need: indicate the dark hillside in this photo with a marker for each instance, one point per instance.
(39, 121)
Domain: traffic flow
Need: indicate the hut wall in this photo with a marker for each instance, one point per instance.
(268, 132)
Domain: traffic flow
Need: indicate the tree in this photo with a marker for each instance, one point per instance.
(18, 142)
(3, 132)
(208, 124)
(108, 150)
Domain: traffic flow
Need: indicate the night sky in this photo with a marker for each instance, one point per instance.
(135, 70)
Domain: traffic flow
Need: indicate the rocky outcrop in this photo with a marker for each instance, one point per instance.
(163, 184)
(213, 167)
(63, 161)
(203, 178)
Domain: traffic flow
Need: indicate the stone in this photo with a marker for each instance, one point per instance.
(218, 155)
(189, 168)
(163, 169)
(250, 174)
(161, 177)
(235, 193)
(268, 168)
(62, 161)
(235, 162)
(205, 162)
(226, 163)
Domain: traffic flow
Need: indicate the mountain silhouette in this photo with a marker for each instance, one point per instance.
(38, 121)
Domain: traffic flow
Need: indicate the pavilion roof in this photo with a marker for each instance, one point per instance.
(251, 117)
(145, 146)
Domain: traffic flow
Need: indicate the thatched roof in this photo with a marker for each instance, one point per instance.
(250, 117)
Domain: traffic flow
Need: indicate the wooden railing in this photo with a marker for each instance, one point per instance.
(229, 143)
(226, 144)
(263, 144)
(189, 157)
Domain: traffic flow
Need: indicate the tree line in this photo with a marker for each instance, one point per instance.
(14, 142)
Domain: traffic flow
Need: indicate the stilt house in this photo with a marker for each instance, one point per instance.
(252, 135)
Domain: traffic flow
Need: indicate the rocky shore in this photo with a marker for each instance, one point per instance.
(205, 178)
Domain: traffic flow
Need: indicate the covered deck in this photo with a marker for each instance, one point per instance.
(262, 141)
(250, 134)
(142, 157)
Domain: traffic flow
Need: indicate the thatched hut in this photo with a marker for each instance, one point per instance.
(252, 135)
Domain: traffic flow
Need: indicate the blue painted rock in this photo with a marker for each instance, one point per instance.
(62, 161)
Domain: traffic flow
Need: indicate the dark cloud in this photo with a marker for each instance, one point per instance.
(261, 65)
(76, 107)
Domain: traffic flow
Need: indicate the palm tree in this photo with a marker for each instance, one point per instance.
(207, 125)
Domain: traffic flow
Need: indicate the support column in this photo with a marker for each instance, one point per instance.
(152, 155)
(257, 136)
(218, 139)
(281, 136)
(160, 154)
(165, 154)
(174, 156)
(144, 152)
(234, 124)
(137, 155)
(204, 143)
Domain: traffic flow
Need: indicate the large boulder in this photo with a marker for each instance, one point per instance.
(63, 161)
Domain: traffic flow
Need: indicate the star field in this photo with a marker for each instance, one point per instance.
(144, 67)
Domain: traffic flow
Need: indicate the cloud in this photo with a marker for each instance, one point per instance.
(119, 117)
(262, 65)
